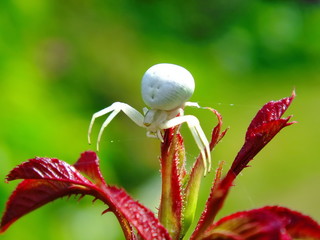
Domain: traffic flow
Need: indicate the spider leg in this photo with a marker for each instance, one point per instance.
(96, 115)
(192, 104)
(145, 110)
(205, 142)
(198, 135)
(151, 134)
(105, 124)
(159, 135)
(115, 108)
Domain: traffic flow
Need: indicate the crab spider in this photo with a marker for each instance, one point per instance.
(165, 89)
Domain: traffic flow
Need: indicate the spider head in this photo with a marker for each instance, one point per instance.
(153, 118)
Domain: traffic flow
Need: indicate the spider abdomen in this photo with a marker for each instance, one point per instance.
(166, 86)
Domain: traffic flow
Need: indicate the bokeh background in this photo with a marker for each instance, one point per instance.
(61, 61)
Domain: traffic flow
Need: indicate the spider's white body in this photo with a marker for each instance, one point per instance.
(166, 86)
(165, 89)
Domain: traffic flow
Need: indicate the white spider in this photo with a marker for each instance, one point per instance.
(165, 89)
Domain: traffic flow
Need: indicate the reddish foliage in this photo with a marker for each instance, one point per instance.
(48, 179)
(34, 193)
(297, 225)
(264, 126)
(172, 171)
(251, 225)
(264, 224)
(88, 164)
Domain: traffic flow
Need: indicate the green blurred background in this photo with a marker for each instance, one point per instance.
(61, 61)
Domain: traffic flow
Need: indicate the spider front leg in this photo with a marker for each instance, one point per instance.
(156, 134)
(115, 108)
(198, 135)
(192, 104)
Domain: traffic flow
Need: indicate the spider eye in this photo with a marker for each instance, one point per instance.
(166, 86)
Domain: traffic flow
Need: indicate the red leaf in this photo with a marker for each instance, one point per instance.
(137, 215)
(265, 125)
(259, 224)
(88, 164)
(218, 194)
(172, 167)
(264, 224)
(48, 179)
(47, 168)
(32, 194)
(128, 211)
(298, 226)
(216, 135)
